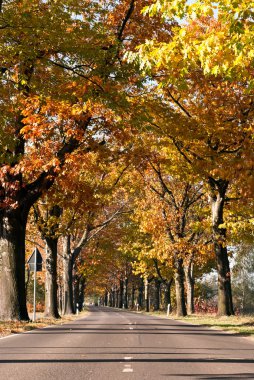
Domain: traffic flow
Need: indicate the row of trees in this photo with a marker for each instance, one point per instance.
(103, 121)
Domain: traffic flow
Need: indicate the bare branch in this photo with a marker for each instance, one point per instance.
(179, 148)
(120, 175)
(191, 238)
(91, 231)
(125, 20)
(73, 69)
(179, 104)
(35, 243)
(164, 186)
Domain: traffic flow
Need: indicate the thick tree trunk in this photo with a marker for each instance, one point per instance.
(189, 278)
(68, 277)
(218, 189)
(51, 309)
(156, 303)
(225, 302)
(179, 287)
(12, 265)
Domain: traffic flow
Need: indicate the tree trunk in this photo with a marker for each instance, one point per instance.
(51, 309)
(157, 285)
(147, 295)
(140, 294)
(179, 286)
(81, 299)
(114, 297)
(132, 296)
(167, 294)
(121, 289)
(76, 292)
(188, 270)
(126, 293)
(111, 303)
(106, 299)
(218, 189)
(12, 265)
(68, 277)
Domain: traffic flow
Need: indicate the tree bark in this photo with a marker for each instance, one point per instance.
(167, 294)
(106, 299)
(111, 303)
(189, 278)
(179, 287)
(12, 264)
(81, 299)
(157, 285)
(147, 295)
(132, 296)
(121, 295)
(126, 293)
(140, 294)
(218, 189)
(76, 291)
(114, 297)
(68, 277)
(51, 304)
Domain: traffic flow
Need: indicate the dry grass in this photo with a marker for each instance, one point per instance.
(241, 325)
(10, 327)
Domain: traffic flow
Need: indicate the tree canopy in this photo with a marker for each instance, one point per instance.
(122, 124)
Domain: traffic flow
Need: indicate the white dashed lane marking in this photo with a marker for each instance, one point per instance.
(128, 370)
(127, 367)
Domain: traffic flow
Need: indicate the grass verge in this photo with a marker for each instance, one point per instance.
(240, 325)
(237, 324)
(15, 327)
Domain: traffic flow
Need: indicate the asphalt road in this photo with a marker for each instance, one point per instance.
(117, 345)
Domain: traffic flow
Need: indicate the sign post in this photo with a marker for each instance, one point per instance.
(35, 271)
(35, 265)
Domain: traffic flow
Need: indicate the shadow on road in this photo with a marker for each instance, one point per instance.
(134, 360)
(214, 376)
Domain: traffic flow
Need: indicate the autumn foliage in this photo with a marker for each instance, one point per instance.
(124, 125)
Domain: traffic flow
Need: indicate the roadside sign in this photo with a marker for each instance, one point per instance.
(35, 265)
(35, 258)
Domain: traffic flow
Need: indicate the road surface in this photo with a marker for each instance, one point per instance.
(110, 344)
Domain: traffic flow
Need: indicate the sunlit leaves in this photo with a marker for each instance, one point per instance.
(218, 37)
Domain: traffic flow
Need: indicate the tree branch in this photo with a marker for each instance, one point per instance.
(164, 186)
(179, 104)
(87, 235)
(170, 235)
(125, 20)
(73, 69)
(158, 270)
